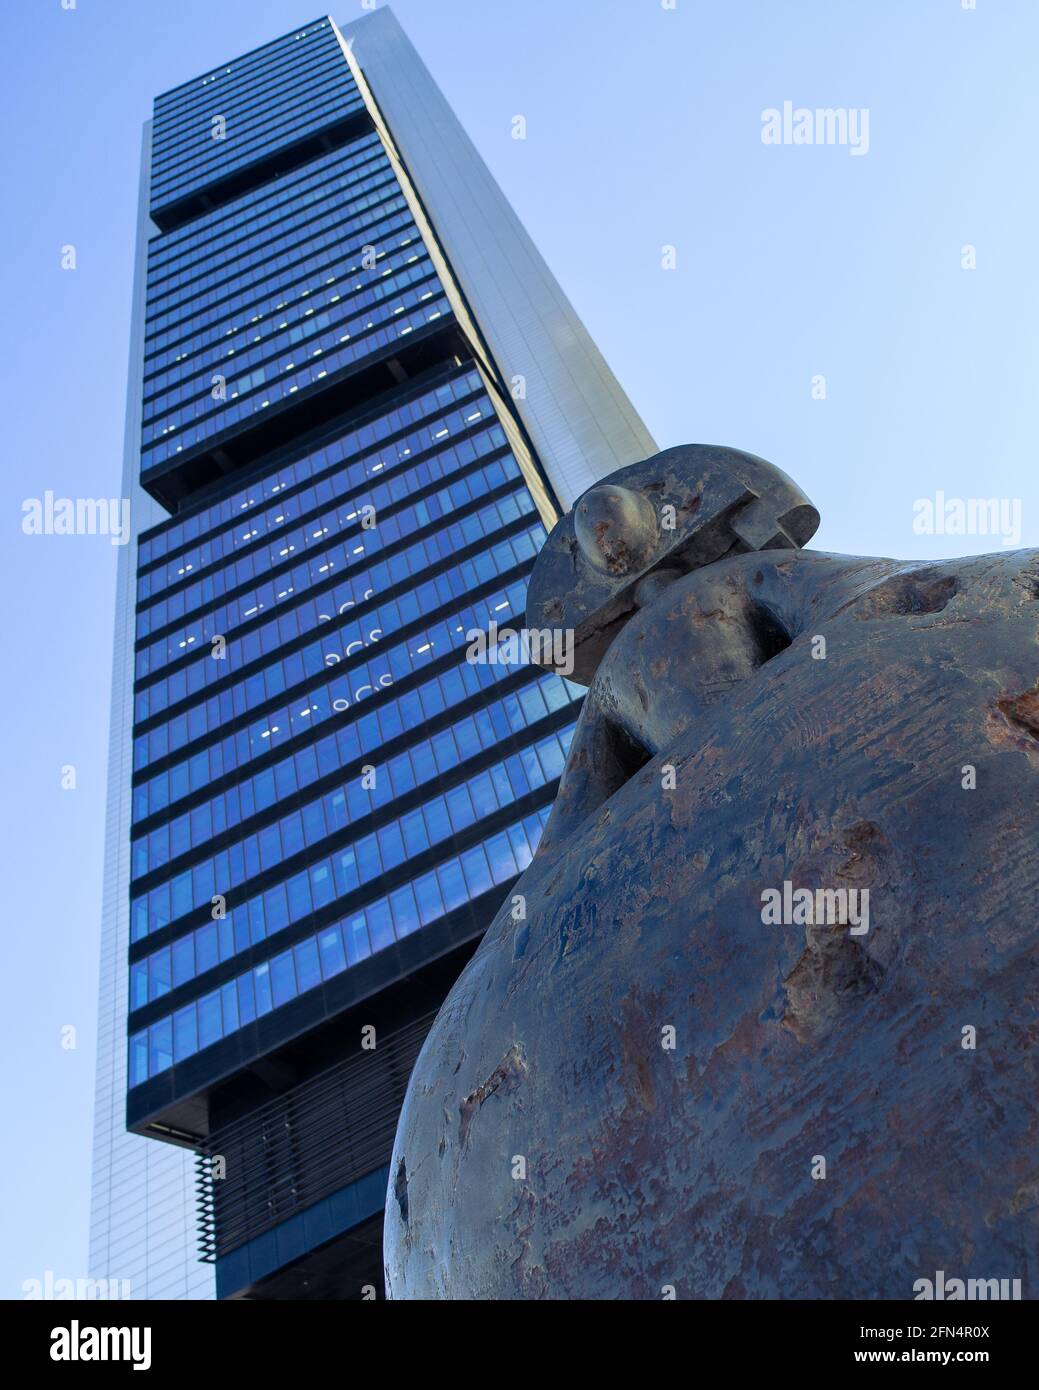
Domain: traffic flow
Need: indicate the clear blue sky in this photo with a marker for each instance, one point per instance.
(644, 130)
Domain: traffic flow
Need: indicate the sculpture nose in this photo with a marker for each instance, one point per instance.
(616, 528)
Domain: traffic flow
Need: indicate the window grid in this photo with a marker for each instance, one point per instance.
(358, 585)
(424, 759)
(329, 952)
(324, 552)
(386, 720)
(176, 533)
(310, 614)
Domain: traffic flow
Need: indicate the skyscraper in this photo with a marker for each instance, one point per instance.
(359, 398)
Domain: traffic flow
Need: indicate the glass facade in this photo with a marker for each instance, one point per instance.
(325, 953)
(306, 716)
(321, 691)
(325, 787)
(321, 769)
(277, 292)
(254, 107)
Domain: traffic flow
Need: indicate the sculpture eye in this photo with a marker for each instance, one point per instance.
(627, 754)
(770, 635)
(616, 529)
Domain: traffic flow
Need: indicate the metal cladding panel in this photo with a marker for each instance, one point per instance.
(580, 421)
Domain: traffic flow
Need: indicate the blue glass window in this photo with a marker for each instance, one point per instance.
(308, 971)
(209, 1020)
(333, 957)
(185, 1033)
(283, 978)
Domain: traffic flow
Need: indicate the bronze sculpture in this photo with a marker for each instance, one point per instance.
(680, 1065)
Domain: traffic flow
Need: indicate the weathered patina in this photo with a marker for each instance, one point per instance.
(639, 1085)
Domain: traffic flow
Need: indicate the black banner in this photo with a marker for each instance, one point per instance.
(204, 1339)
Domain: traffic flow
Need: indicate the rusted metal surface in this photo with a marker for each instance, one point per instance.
(648, 1167)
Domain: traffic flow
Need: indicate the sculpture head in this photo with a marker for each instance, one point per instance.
(651, 523)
